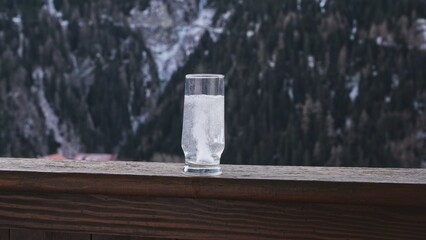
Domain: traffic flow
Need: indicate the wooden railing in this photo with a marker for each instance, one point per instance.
(44, 199)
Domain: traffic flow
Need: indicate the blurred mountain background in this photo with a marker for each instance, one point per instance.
(308, 82)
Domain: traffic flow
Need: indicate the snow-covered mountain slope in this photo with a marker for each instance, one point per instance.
(307, 82)
(89, 62)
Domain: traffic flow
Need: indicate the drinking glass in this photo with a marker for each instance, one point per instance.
(203, 132)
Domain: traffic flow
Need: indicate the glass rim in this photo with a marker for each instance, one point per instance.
(203, 76)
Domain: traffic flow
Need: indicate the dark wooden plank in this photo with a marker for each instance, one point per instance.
(403, 187)
(4, 234)
(67, 236)
(209, 219)
(109, 237)
(114, 237)
(243, 172)
(32, 234)
(27, 234)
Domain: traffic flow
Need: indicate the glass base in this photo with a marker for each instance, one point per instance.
(202, 170)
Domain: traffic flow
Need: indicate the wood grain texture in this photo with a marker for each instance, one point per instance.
(26, 234)
(243, 172)
(67, 236)
(135, 201)
(181, 218)
(31, 234)
(114, 237)
(402, 187)
(4, 234)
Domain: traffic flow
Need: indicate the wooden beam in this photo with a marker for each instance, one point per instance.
(155, 200)
(182, 218)
(405, 187)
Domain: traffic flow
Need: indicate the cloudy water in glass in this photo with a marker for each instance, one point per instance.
(203, 132)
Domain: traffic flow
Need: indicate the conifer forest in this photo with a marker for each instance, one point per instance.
(308, 82)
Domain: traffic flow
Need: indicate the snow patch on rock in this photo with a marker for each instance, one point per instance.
(172, 31)
(352, 84)
(18, 21)
(68, 146)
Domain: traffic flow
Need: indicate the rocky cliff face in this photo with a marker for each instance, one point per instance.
(308, 82)
(82, 76)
